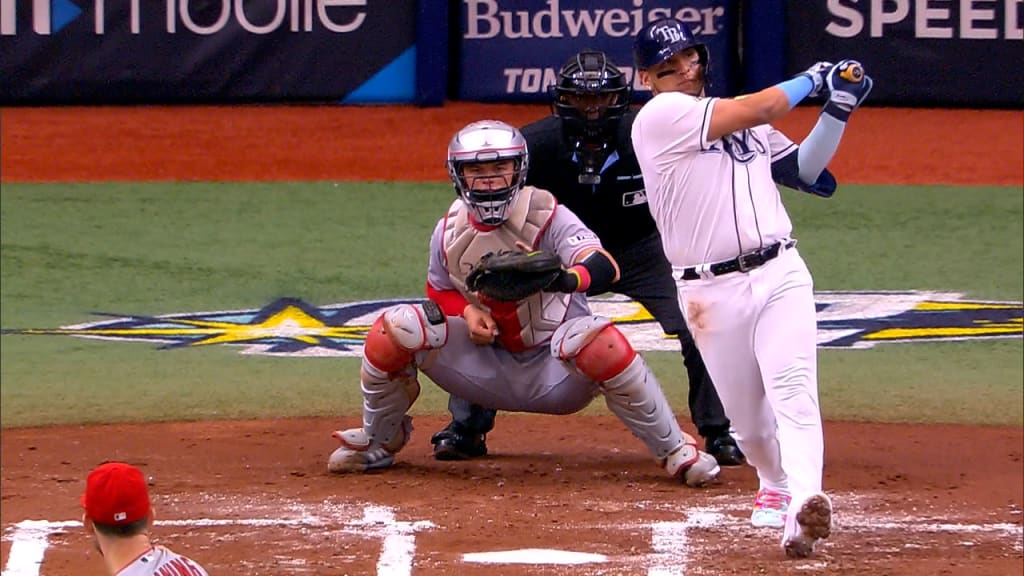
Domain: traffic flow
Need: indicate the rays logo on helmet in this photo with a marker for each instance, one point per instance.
(668, 34)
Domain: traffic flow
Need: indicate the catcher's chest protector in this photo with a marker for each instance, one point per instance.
(464, 246)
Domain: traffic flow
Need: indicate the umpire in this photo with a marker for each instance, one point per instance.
(583, 154)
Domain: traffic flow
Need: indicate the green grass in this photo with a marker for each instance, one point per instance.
(69, 250)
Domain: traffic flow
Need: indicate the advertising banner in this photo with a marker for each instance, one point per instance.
(146, 51)
(919, 52)
(511, 50)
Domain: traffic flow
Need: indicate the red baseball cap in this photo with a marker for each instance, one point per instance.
(116, 493)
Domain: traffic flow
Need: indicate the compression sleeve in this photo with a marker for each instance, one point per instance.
(595, 273)
(817, 150)
(451, 301)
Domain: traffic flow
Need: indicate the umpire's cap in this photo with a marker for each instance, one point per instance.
(660, 39)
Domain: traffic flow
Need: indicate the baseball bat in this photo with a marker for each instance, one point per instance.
(853, 73)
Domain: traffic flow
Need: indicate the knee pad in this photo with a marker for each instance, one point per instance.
(403, 330)
(593, 346)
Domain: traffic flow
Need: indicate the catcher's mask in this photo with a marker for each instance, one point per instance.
(660, 39)
(483, 142)
(590, 96)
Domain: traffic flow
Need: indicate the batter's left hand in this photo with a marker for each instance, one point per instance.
(817, 74)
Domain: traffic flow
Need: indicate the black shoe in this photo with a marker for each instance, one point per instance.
(725, 450)
(453, 443)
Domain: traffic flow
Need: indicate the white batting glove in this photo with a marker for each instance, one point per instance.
(817, 75)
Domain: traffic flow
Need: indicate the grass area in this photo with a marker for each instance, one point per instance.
(69, 250)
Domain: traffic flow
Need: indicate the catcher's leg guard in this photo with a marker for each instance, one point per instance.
(389, 385)
(596, 348)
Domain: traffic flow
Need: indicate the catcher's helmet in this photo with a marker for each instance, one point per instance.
(660, 39)
(488, 141)
(590, 97)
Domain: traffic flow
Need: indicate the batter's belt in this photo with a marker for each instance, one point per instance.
(742, 263)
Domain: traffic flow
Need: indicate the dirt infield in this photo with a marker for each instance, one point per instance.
(254, 497)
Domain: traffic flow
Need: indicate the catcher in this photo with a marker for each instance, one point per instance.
(506, 328)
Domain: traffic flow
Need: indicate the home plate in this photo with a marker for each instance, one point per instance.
(534, 556)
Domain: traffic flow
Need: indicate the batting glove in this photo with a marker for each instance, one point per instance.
(848, 86)
(817, 75)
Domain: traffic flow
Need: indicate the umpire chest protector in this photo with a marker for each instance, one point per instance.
(616, 208)
(464, 245)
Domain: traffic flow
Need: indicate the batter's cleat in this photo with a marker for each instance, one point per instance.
(455, 443)
(770, 509)
(358, 453)
(725, 450)
(696, 468)
(812, 522)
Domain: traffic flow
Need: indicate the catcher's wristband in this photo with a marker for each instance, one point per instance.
(575, 279)
(595, 273)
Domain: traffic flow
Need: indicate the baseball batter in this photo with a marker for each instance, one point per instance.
(118, 515)
(708, 166)
(545, 353)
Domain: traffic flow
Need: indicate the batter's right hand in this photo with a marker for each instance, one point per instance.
(848, 86)
(482, 327)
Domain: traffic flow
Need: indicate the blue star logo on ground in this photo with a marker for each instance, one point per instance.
(292, 327)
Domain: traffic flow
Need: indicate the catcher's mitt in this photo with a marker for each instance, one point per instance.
(512, 275)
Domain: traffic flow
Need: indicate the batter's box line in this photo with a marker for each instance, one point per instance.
(30, 538)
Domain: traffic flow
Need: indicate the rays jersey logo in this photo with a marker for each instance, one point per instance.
(292, 327)
(742, 146)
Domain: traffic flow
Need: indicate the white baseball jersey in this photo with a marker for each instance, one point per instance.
(712, 200)
(160, 561)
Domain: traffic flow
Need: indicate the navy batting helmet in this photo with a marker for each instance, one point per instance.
(660, 39)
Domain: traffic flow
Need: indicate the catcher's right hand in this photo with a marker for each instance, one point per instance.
(512, 275)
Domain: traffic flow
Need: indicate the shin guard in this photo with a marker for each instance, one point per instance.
(388, 375)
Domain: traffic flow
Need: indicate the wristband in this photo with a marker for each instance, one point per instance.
(796, 89)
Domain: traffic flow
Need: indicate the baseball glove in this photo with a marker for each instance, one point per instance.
(512, 275)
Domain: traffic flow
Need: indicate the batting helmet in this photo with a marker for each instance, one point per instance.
(488, 141)
(660, 39)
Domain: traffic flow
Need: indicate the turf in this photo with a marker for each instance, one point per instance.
(67, 251)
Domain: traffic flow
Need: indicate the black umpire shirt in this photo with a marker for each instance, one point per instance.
(616, 209)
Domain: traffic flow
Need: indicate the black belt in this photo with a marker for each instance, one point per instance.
(742, 263)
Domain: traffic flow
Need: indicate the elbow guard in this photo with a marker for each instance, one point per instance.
(595, 273)
(786, 171)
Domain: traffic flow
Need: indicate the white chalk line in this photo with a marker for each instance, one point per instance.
(672, 542)
(30, 538)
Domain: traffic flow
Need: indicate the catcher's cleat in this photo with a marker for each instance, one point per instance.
(455, 443)
(725, 450)
(770, 508)
(358, 453)
(812, 522)
(696, 468)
